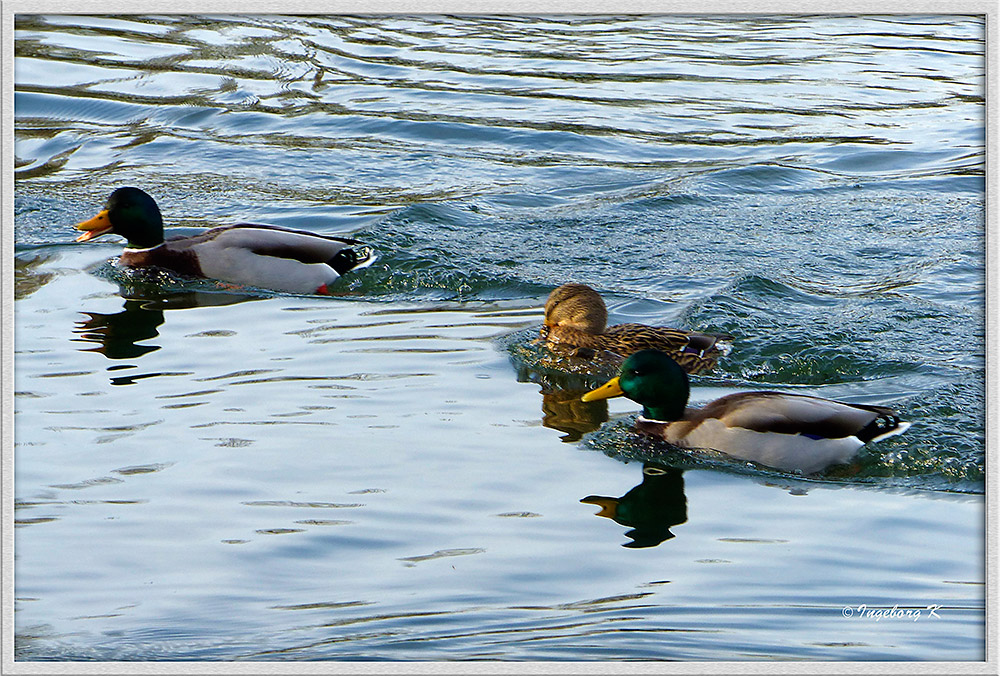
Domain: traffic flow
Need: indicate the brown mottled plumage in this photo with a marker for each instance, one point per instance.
(575, 316)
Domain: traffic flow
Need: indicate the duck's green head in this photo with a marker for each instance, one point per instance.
(129, 212)
(650, 378)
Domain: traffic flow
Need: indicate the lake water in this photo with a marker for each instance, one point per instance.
(398, 472)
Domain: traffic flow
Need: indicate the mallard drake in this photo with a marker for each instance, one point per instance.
(576, 317)
(792, 432)
(651, 509)
(263, 256)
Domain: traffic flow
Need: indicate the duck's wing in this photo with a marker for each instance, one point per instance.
(264, 240)
(784, 431)
(814, 417)
(264, 256)
(694, 351)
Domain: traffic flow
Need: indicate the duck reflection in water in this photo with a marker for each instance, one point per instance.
(117, 335)
(562, 407)
(561, 410)
(651, 509)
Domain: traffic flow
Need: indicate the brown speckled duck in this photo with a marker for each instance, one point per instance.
(268, 257)
(793, 432)
(576, 317)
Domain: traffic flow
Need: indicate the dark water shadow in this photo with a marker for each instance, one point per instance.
(650, 509)
(565, 411)
(123, 335)
(117, 335)
(30, 274)
(562, 407)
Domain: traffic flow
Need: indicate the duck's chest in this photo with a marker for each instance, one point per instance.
(183, 261)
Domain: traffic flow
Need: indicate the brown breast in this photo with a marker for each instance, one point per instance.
(182, 261)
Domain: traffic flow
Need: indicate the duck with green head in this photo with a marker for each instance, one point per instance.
(791, 432)
(264, 256)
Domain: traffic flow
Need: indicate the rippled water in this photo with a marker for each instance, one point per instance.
(398, 472)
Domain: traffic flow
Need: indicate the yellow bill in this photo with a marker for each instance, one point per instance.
(605, 391)
(95, 227)
(609, 506)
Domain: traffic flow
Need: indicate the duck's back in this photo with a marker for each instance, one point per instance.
(265, 240)
(694, 351)
(780, 430)
(294, 261)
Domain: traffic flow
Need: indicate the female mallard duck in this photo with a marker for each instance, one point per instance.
(263, 256)
(575, 316)
(785, 431)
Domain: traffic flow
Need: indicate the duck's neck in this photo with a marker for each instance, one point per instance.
(144, 240)
(569, 335)
(672, 411)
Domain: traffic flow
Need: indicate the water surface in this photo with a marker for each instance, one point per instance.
(398, 472)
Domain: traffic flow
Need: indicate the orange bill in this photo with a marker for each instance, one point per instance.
(95, 227)
(605, 391)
